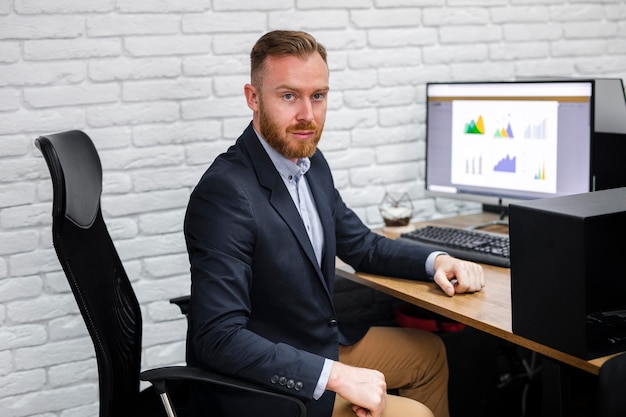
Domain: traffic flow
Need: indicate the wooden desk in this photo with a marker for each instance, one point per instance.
(488, 310)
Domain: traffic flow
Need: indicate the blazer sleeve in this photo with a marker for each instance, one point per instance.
(370, 252)
(219, 232)
(355, 243)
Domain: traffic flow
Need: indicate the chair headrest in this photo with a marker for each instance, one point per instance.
(76, 175)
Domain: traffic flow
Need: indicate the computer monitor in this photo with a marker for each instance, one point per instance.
(500, 142)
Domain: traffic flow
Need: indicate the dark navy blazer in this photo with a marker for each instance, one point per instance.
(261, 307)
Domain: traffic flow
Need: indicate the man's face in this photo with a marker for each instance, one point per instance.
(290, 105)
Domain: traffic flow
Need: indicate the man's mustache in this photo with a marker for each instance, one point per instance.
(303, 126)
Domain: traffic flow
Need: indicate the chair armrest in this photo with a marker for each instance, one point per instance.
(158, 376)
(182, 302)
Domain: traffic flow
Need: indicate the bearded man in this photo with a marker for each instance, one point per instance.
(263, 229)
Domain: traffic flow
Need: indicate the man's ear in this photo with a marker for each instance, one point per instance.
(252, 98)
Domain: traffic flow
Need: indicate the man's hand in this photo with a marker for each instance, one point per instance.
(457, 276)
(365, 389)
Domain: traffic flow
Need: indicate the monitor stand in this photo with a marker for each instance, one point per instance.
(501, 225)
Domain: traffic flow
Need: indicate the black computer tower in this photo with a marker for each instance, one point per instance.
(568, 272)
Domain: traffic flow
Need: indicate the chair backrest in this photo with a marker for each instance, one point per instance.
(92, 266)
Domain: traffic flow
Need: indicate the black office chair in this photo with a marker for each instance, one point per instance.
(612, 387)
(103, 291)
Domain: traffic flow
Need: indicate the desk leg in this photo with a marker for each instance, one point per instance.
(556, 394)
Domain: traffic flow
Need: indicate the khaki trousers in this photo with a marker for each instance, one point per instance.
(413, 361)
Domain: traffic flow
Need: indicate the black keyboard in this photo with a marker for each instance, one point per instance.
(471, 245)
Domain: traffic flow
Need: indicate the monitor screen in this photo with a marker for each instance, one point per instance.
(499, 142)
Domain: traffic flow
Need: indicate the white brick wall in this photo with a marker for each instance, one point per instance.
(158, 86)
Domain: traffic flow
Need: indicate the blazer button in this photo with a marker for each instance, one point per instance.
(282, 380)
(332, 323)
(274, 379)
(291, 383)
(298, 386)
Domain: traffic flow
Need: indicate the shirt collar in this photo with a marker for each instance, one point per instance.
(285, 167)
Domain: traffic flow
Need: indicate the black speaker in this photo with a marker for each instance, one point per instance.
(568, 272)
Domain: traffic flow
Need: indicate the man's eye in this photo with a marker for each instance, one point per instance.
(319, 96)
(289, 96)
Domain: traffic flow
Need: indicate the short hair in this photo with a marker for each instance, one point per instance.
(281, 43)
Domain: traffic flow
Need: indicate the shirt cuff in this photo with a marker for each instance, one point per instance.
(430, 263)
(323, 380)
